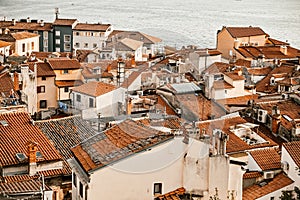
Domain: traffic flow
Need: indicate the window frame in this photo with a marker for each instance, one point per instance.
(155, 191)
(43, 103)
(78, 97)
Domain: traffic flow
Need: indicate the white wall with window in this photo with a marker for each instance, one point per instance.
(159, 170)
(26, 46)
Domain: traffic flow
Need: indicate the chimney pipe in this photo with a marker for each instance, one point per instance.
(28, 20)
(32, 149)
(42, 23)
(13, 22)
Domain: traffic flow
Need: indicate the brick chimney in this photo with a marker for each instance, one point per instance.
(31, 150)
(16, 81)
(129, 106)
(275, 119)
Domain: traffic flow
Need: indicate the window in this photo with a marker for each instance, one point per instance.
(77, 45)
(91, 102)
(41, 89)
(272, 198)
(74, 180)
(81, 190)
(57, 41)
(23, 47)
(57, 49)
(57, 33)
(32, 45)
(43, 78)
(78, 98)
(77, 33)
(45, 43)
(157, 188)
(67, 47)
(86, 45)
(45, 34)
(94, 45)
(66, 89)
(43, 103)
(67, 38)
(65, 71)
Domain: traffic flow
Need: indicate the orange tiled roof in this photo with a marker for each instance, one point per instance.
(15, 136)
(256, 191)
(120, 141)
(217, 67)
(264, 84)
(173, 123)
(235, 144)
(275, 42)
(43, 69)
(32, 186)
(23, 35)
(249, 175)
(173, 195)
(234, 76)
(94, 88)
(68, 83)
(4, 44)
(201, 107)
(162, 104)
(222, 85)
(242, 100)
(270, 52)
(293, 149)
(32, 26)
(44, 55)
(6, 83)
(243, 63)
(259, 71)
(267, 159)
(64, 22)
(210, 52)
(237, 32)
(63, 63)
(91, 27)
(288, 107)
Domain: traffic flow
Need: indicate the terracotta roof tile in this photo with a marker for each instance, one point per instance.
(249, 175)
(29, 186)
(235, 144)
(243, 63)
(173, 195)
(259, 71)
(264, 84)
(91, 27)
(16, 135)
(234, 76)
(222, 85)
(236, 101)
(256, 191)
(116, 143)
(6, 83)
(43, 69)
(23, 35)
(44, 55)
(68, 83)
(217, 67)
(63, 63)
(162, 104)
(238, 32)
(94, 88)
(4, 44)
(293, 149)
(270, 52)
(275, 42)
(201, 107)
(64, 22)
(31, 26)
(267, 159)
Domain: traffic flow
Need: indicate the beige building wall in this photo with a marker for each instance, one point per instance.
(50, 92)
(71, 75)
(225, 43)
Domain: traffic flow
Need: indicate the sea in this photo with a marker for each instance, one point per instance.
(177, 22)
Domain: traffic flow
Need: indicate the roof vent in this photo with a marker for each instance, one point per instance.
(21, 157)
(39, 154)
(3, 122)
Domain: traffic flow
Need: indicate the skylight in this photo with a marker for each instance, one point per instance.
(21, 157)
(3, 122)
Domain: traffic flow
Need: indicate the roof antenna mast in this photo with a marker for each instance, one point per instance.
(56, 13)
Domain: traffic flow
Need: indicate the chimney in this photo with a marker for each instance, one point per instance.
(42, 23)
(32, 149)
(283, 49)
(4, 18)
(16, 81)
(13, 22)
(129, 106)
(28, 20)
(275, 119)
(240, 73)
